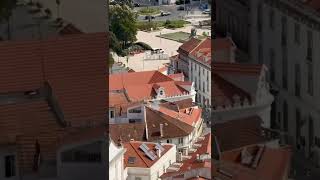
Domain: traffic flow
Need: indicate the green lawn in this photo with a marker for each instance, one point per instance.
(176, 36)
(149, 11)
(179, 36)
(143, 25)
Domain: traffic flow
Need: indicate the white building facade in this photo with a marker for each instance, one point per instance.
(284, 35)
(292, 57)
(116, 166)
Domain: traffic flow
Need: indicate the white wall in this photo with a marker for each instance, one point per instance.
(151, 173)
(297, 52)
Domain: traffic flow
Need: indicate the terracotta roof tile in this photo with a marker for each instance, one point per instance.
(224, 92)
(241, 132)
(172, 127)
(73, 65)
(192, 163)
(141, 160)
(222, 44)
(188, 46)
(274, 164)
(127, 131)
(202, 52)
(143, 85)
(237, 68)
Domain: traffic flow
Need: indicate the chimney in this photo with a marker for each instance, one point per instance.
(180, 157)
(198, 157)
(159, 153)
(119, 141)
(161, 130)
(185, 151)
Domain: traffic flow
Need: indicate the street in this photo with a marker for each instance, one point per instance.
(175, 14)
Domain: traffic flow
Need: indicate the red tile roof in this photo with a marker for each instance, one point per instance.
(141, 160)
(177, 77)
(192, 163)
(127, 131)
(274, 164)
(188, 46)
(191, 117)
(202, 52)
(237, 68)
(143, 85)
(222, 44)
(74, 67)
(224, 92)
(241, 132)
(172, 127)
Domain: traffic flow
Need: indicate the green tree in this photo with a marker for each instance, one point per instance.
(123, 23)
(122, 2)
(6, 7)
(111, 60)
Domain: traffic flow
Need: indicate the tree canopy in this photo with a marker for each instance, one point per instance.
(123, 24)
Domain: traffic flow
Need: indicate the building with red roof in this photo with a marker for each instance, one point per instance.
(146, 160)
(241, 90)
(131, 90)
(192, 164)
(51, 89)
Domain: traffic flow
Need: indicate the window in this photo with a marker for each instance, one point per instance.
(133, 120)
(298, 123)
(284, 31)
(87, 153)
(272, 67)
(297, 80)
(311, 132)
(260, 54)
(208, 76)
(161, 92)
(135, 111)
(310, 78)
(284, 68)
(285, 116)
(180, 140)
(207, 86)
(203, 71)
(259, 18)
(271, 19)
(169, 141)
(203, 87)
(137, 178)
(111, 114)
(10, 166)
(317, 141)
(309, 48)
(297, 33)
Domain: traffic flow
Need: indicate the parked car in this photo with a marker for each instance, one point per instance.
(181, 8)
(165, 13)
(148, 16)
(206, 11)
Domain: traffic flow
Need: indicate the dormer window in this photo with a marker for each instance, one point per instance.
(161, 93)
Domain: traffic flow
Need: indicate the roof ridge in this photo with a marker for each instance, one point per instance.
(165, 118)
(201, 41)
(139, 154)
(175, 119)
